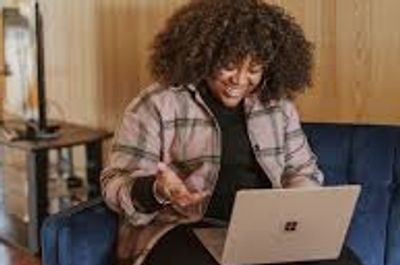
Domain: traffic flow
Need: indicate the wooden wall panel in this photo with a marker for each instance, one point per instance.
(96, 53)
(71, 45)
(382, 103)
(359, 82)
(318, 18)
(2, 68)
(353, 40)
(125, 33)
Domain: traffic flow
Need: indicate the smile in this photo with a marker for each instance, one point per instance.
(234, 92)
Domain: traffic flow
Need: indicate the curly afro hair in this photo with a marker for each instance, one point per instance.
(205, 35)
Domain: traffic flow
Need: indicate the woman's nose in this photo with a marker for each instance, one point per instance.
(240, 77)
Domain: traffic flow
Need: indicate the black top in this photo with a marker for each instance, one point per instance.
(239, 167)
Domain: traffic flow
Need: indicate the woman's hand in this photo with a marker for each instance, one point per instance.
(171, 188)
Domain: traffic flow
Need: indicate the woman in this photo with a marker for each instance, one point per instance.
(219, 118)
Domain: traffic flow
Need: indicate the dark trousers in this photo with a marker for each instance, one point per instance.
(180, 246)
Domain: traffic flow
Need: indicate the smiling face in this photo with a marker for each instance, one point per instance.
(234, 82)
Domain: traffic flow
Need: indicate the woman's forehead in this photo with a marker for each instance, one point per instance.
(244, 59)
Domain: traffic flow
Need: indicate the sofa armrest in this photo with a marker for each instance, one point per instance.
(84, 235)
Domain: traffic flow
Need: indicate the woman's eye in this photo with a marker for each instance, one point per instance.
(255, 70)
(230, 67)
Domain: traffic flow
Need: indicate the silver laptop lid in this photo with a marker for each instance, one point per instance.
(284, 225)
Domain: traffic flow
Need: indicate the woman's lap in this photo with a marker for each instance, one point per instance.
(181, 247)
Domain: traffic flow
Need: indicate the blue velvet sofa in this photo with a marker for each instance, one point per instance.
(368, 155)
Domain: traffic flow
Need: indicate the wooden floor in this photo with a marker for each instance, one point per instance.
(11, 254)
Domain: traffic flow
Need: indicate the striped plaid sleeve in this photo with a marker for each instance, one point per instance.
(300, 161)
(134, 156)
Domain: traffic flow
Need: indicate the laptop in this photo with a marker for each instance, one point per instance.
(283, 225)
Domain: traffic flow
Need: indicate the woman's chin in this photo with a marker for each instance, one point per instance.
(231, 102)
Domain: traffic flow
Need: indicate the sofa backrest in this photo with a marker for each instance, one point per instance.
(366, 155)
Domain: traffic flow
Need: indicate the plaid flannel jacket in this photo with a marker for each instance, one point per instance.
(175, 126)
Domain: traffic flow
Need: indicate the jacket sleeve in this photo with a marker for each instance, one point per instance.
(134, 155)
(300, 161)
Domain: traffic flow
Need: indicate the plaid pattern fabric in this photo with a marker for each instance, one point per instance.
(175, 126)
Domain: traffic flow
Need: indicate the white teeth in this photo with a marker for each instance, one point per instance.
(233, 92)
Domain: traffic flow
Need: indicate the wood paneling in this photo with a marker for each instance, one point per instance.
(96, 52)
(2, 67)
(318, 19)
(383, 97)
(359, 82)
(96, 55)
